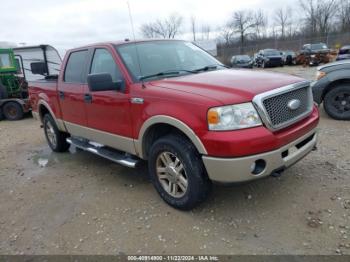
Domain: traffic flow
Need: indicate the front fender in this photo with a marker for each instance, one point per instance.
(164, 119)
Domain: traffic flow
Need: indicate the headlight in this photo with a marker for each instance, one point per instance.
(320, 74)
(233, 117)
(313, 56)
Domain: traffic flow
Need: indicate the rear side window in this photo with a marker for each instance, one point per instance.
(344, 51)
(103, 62)
(75, 66)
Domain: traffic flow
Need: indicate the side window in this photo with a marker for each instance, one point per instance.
(103, 62)
(75, 66)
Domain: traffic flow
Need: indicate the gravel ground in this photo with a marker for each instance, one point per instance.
(78, 203)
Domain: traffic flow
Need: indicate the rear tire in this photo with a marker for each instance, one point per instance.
(13, 111)
(337, 102)
(177, 172)
(55, 138)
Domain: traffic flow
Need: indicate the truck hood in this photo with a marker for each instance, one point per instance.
(229, 86)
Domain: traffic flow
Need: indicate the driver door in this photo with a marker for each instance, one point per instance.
(108, 112)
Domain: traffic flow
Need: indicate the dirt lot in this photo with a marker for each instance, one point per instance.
(78, 203)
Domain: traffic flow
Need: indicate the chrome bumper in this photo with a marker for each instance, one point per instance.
(228, 170)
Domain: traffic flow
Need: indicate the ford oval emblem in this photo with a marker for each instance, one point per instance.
(294, 104)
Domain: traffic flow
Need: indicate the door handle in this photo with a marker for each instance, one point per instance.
(61, 95)
(88, 98)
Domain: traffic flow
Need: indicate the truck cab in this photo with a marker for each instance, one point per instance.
(172, 104)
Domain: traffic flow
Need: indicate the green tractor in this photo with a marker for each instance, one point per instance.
(13, 88)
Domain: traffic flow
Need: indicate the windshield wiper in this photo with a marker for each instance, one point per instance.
(209, 67)
(167, 73)
(177, 72)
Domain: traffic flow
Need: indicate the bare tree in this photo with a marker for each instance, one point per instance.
(260, 24)
(193, 27)
(319, 15)
(325, 12)
(167, 28)
(344, 14)
(282, 19)
(226, 34)
(206, 29)
(148, 30)
(309, 8)
(242, 22)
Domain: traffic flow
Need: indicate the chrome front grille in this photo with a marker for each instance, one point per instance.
(275, 109)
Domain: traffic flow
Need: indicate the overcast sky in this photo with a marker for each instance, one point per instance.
(71, 23)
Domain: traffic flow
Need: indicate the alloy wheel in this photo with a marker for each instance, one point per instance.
(51, 135)
(171, 174)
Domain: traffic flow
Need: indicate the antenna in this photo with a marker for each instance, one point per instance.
(136, 49)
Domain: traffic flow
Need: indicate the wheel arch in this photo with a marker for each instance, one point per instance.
(44, 108)
(158, 126)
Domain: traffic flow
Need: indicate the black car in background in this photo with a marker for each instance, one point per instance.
(269, 58)
(344, 53)
(242, 61)
(312, 49)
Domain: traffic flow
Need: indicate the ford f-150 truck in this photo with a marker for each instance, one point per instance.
(174, 105)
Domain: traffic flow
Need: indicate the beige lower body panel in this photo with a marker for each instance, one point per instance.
(230, 170)
(121, 143)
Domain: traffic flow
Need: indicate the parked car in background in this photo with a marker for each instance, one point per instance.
(242, 61)
(269, 58)
(332, 87)
(312, 49)
(344, 53)
(315, 53)
(289, 57)
(176, 106)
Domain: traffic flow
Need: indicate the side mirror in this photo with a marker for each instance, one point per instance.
(104, 82)
(38, 68)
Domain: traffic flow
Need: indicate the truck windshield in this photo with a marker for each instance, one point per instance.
(344, 50)
(272, 53)
(153, 58)
(243, 58)
(318, 46)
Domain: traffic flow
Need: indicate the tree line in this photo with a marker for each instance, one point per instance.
(311, 18)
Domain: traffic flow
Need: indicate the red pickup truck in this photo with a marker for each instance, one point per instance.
(172, 104)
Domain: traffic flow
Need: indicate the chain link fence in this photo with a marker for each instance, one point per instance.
(334, 41)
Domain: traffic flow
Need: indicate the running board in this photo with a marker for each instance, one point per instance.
(105, 152)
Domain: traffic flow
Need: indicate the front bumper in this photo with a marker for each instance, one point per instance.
(229, 170)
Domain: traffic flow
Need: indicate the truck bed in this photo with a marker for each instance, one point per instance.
(44, 88)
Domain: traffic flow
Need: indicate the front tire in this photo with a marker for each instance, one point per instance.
(177, 172)
(337, 102)
(55, 138)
